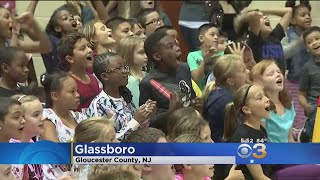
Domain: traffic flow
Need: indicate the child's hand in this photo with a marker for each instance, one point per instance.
(142, 114)
(235, 174)
(151, 107)
(208, 54)
(308, 109)
(26, 21)
(235, 48)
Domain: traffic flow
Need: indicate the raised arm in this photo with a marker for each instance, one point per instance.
(285, 13)
(32, 6)
(31, 27)
(250, 18)
(104, 11)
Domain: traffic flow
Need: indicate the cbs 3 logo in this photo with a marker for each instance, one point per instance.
(245, 151)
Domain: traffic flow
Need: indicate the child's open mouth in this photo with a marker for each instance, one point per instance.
(20, 129)
(74, 24)
(317, 47)
(279, 81)
(268, 108)
(89, 58)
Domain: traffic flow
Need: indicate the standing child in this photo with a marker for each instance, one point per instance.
(74, 52)
(14, 70)
(248, 107)
(169, 75)
(230, 73)
(59, 119)
(263, 40)
(296, 54)
(61, 23)
(116, 98)
(32, 113)
(279, 125)
(197, 60)
(11, 119)
(132, 51)
(309, 90)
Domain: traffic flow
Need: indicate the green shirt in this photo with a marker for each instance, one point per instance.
(133, 86)
(194, 59)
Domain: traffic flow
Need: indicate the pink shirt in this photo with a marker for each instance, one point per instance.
(180, 177)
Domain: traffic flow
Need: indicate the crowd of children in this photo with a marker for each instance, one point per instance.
(121, 78)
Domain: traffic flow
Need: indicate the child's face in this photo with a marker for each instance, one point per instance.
(248, 59)
(139, 57)
(205, 134)
(164, 171)
(122, 31)
(203, 170)
(272, 78)
(68, 96)
(103, 35)
(5, 24)
(18, 70)
(153, 21)
(118, 74)
(32, 112)
(170, 52)
(5, 172)
(313, 43)
(174, 34)
(240, 75)
(13, 123)
(302, 18)
(65, 22)
(137, 30)
(265, 26)
(82, 54)
(78, 21)
(146, 4)
(222, 43)
(258, 103)
(210, 38)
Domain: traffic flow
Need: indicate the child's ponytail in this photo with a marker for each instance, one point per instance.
(230, 121)
(125, 93)
(208, 89)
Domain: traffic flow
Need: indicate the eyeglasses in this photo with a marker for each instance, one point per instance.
(122, 69)
(155, 22)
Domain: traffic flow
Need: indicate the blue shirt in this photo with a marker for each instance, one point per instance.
(278, 127)
(213, 111)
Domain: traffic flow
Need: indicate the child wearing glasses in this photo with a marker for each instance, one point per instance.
(116, 99)
(77, 57)
(150, 20)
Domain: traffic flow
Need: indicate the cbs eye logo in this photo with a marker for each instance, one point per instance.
(258, 151)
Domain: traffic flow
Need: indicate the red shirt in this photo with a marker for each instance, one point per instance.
(87, 91)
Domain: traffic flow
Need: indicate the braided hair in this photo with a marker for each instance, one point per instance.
(100, 65)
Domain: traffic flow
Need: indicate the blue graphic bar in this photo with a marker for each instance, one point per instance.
(45, 152)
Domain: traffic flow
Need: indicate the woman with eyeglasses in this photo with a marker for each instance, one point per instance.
(116, 99)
